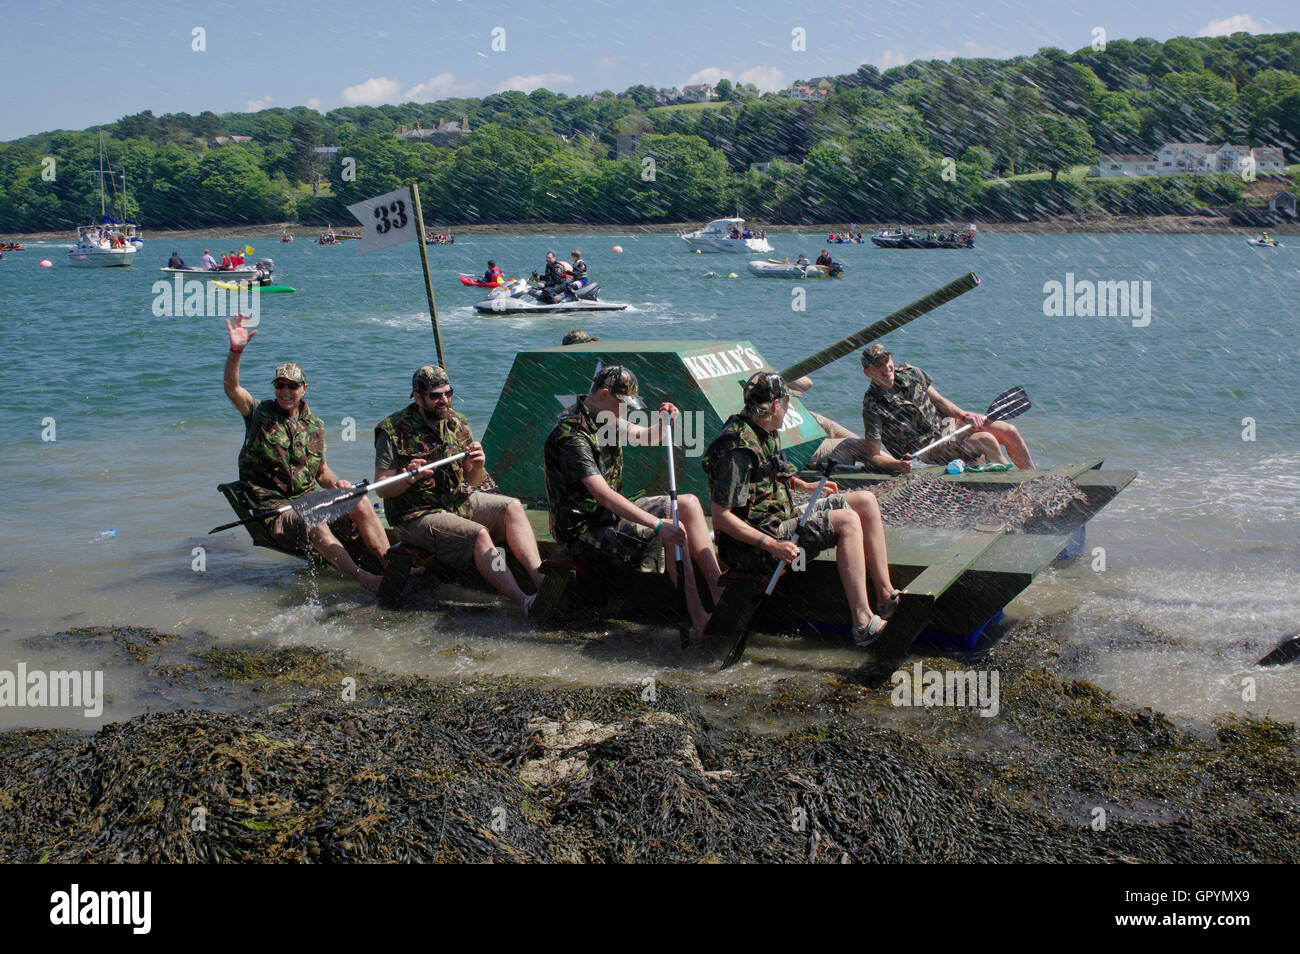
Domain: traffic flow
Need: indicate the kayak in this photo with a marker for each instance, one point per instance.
(479, 283)
(265, 289)
(227, 273)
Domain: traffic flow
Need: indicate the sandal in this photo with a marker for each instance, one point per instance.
(864, 636)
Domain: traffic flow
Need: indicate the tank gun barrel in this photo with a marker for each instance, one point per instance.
(882, 327)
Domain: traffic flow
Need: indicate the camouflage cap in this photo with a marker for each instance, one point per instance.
(764, 386)
(874, 354)
(428, 377)
(621, 383)
(289, 372)
(577, 336)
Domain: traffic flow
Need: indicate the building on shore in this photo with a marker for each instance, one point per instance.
(1192, 158)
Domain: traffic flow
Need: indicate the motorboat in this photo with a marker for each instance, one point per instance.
(227, 274)
(773, 269)
(717, 237)
(906, 238)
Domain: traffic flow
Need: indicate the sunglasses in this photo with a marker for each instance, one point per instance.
(287, 385)
(438, 394)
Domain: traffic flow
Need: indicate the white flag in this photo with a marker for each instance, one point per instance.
(388, 219)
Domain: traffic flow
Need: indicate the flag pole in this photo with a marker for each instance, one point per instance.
(428, 282)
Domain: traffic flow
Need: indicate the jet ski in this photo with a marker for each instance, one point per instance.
(522, 297)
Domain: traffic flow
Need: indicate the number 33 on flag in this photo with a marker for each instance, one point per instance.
(389, 219)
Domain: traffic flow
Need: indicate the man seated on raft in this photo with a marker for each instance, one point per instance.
(754, 517)
(903, 411)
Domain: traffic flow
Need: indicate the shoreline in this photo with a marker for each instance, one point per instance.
(820, 767)
(1146, 225)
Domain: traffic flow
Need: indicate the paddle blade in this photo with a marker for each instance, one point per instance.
(1286, 651)
(326, 506)
(1008, 404)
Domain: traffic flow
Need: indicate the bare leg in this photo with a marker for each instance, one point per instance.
(523, 542)
(1008, 435)
(850, 561)
(988, 445)
(371, 530)
(864, 504)
(327, 545)
(698, 542)
(486, 562)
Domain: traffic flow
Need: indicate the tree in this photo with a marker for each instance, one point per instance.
(1061, 143)
(724, 89)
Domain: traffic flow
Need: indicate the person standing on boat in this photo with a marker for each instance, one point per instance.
(750, 485)
(584, 489)
(450, 511)
(283, 457)
(902, 410)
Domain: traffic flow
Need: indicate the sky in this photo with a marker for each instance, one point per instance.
(70, 65)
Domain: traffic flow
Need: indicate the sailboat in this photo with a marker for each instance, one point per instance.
(107, 244)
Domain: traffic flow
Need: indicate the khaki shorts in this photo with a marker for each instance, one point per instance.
(624, 542)
(956, 449)
(449, 537)
(289, 531)
(817, 535)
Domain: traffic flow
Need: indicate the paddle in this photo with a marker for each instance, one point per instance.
(326, 506)
(882, 327)
(685, 628)
(1284, 652)
(747, 622)
(1010, 403)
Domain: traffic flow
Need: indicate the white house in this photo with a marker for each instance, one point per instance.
(1180, 157)
(1269, 159)
(699, 93)
(1119, 165)
(806, 93)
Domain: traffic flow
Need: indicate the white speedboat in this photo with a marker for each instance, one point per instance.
(771, 269)
(717, 237)
(100, 247)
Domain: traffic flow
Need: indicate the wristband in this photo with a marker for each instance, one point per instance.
(658, 525)
(236, 350)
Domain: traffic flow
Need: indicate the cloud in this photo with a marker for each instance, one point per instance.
(606, 63)
(766, 78)
(971, 49)
(257, 105)
(526, 84)
(314, 103)
(373, 92)
(1241, 23)
(437, 87)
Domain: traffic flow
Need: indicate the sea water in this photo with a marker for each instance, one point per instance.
(112, 417)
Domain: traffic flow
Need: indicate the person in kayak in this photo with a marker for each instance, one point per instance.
(902, 411)
(451, 511)
(750, 485)
(176, 261)
(493, 275)
(283, 457)
(584, 489)
(265, 268)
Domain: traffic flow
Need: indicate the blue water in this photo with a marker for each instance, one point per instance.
(1201, 549)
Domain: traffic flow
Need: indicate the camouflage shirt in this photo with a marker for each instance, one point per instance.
(401, 438)
(903, 419)
(749, 455)
(281, 455)
(572, 454)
